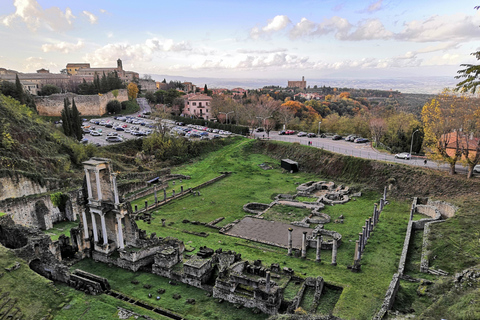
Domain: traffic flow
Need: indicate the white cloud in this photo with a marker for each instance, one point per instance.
(375, 6)
(367, 30)
(457, 27)
(278, 23)
(91, 17)
(136, 52)
(103, 11)
(35, 63)
(32, 14)
(261, 51)
(63, 47)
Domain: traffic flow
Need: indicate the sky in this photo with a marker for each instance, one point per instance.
(258, 39)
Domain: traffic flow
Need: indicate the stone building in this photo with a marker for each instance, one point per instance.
(198, 106)
(298, 84)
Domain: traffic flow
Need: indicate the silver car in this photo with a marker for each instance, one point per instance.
(403, 155)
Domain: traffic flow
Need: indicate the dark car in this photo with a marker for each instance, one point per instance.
(259, 130)
(337, 137)
(311, 135)
(360, 140)
(119, 129)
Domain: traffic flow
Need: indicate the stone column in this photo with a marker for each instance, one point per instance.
(146, 204)
(97, 179)
(367, 229)
(356, 255)
(136, 208)
(173, 193)
(360, 240)
(364, 238)
(319, 247)
(304, 245)
(94, 227)
(181, 189)
(164, 195)
(120, 232)
(267, 286)
(156, 199)
(104, 228)
(334, 253)
(381, 205)
(89, 186)
(385, 193)
(115, 191)
(85, 225)
(375, 215)
(290, 241)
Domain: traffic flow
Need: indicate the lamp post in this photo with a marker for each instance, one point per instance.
(319, 122)
(226, 115)
(411, 143)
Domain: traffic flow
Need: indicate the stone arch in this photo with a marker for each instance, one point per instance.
(40, 268)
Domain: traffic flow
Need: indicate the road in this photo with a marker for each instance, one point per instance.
(363, 150)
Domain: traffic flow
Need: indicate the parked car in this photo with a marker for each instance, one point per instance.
(351, 138)
(290, 132)
(119, 129)
(403, 155)
(114, 139)
(476, 169)
(84, 141)
(337, 137)
(281, 133)
(301, 134)
(95, 133)
(311, 135)
(259, 130)
(360, 140)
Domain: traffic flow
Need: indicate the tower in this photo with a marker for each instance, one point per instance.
(119, 64)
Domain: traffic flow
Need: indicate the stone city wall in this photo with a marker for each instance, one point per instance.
(389, 297)
(87, 105)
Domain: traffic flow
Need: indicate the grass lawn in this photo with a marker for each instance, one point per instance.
(36, 297)
(286, 214)
(61, 228)
(362, 293)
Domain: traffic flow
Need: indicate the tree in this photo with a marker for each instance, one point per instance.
(19, 89)
(132, 90)
(67, 128)
(114, 106)
(442, 118)
(48, 90)
(76, 122)
(378, 126)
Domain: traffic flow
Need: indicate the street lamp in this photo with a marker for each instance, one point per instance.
(319, 122)
(411, 143)
(226, 115)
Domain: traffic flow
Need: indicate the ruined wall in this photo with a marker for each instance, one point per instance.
(446, 209)
(40, 212)
(19, 186)
(87, 105)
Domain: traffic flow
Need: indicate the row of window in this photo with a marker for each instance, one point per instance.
(199, 104)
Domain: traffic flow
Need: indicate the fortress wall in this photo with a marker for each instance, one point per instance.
(87, 105)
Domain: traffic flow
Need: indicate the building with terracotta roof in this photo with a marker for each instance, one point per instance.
(198, 106)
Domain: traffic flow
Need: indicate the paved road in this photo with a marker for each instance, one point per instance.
(358, 150)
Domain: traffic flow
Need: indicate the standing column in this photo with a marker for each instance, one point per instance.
(290, 241)
(120, 232)
(104, 228)
(304, 245)
(85, 225)
(94, 227)
(370, 225)
(375, 216)
(115, 191)
(164, 195)
(89, 186)
(385, 193)
(268, 281)
(97, 179)
(156, 199)
(364, 237)
(356, 256)
(319, 247)
(367, 228)
(334, 253)
(360, 240)
(381, 206)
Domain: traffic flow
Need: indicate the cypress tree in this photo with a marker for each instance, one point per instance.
(66, 118)
(77, 131)
(19, 89)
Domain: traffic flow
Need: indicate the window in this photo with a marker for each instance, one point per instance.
(194, 103)
(207, 110)
(188, 109)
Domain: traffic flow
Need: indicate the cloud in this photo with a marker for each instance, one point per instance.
(35, 63)
(104, 11)
(136, 52)
(32, 14)
(63, 47)
(375, 6)
(261, 51)
(457, 27)
(369, 29)
(278, 23)
(93, 18)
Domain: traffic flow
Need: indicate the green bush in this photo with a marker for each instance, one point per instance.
(114, 106)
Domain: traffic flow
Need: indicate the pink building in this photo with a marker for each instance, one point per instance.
(198, 106)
